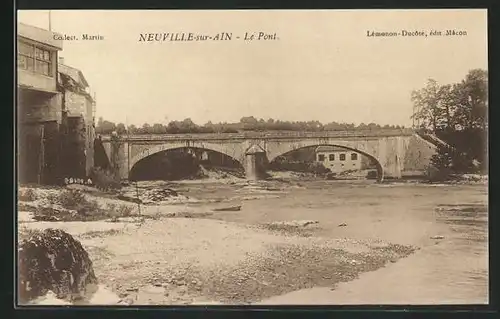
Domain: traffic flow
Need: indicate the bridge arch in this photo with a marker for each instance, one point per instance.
(273, 154)
(156, 149)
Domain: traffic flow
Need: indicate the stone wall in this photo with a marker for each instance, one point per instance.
(77, 104)
(417, 156)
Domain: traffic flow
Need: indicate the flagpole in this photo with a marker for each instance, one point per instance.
(50, 20)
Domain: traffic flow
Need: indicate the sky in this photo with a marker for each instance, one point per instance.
(323, 66)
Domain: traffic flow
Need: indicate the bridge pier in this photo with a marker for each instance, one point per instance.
(254, 163)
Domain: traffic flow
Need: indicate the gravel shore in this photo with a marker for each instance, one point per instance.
(185, 260)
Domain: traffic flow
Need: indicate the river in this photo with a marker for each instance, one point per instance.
(447, 222)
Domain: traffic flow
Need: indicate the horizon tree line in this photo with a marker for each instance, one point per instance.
(248, 123)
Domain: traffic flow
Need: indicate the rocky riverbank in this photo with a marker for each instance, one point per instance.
(177, 258)
(184, 261)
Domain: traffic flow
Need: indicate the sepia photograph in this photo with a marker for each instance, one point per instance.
(252, 157)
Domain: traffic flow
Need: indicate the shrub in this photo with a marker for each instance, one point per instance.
(111, 207)
(25, 233)
(27, 195)
(448, 161)
(125, 211)
(50, 214)
(89, 208)
(104, 180)
(71, 201)
(331, 175)
(371, 175)
(114, 211)
(435, 175)
(318, 168)
(77, 207)
(71, 198)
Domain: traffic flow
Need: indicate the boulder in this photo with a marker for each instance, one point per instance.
(53, 260)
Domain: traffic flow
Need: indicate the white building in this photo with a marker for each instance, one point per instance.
(338, 159)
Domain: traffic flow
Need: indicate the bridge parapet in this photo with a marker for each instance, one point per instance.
(262, 135)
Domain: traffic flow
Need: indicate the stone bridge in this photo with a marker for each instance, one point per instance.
(394, 151)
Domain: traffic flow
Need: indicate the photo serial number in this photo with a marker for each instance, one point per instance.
(416, 33)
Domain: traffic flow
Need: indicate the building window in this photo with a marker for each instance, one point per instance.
(321, 157)
(331, 157)
(34, 59)
(354, 157)
(342, 157)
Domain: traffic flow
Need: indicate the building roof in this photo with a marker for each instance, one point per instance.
(72, 79)
(73, 73)
(39, 35)
(329, 148)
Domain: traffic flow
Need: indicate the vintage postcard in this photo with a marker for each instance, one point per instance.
(252, 157)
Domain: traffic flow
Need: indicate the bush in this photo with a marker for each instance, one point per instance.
(372, 175)
(125, 211)
(114, 211)
(437, 175)
(76, 207)
(104, 180)
(331, 175)
(317, 168)
(448, 161)
(87, 210)
(25, 233)
(27, 195)
(71, 199)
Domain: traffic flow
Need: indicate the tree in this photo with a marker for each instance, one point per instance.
(146, 129)
(472, 99)
(105, 127)
(248, 120)
(132, 129)
(427, 107)
(457, 113)
(173, 127)
(249, 123)
(188, 126)
(158, 129)
(449, 95)
(334, 126)
(361, 126)
(120, 129)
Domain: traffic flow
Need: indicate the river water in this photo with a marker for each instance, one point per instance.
(447, 222)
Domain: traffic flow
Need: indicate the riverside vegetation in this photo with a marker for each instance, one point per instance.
(458, 115)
